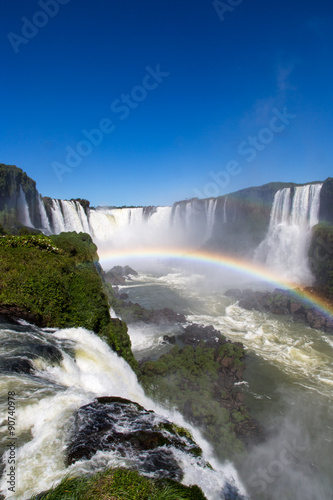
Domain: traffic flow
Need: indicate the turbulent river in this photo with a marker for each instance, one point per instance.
(287, 384)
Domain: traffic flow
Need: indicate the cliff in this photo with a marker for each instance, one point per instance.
(57, 282)
(14, 182)
(321, 255)
(326, 201)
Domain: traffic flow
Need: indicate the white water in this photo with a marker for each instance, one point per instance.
(46, 404)
(285, 248)
(288, 383)
(43, 215)
(23, 209)
(303, 353)
(210, 211)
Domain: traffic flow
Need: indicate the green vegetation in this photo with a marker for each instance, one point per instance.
(57, 281)
(120, 484)
(191, 380)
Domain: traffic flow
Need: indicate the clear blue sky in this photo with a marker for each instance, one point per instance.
(224, 79)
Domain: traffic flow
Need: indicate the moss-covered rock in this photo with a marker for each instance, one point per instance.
(120, 484)
(56, 281)
(198, 380)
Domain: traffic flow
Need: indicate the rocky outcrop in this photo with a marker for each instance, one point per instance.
(56, 282)
(12, 181)
(131, 312)
(283, 302)
(198, 377)
(326, 201)
(321, 257)
(139, 436)
(118, 274)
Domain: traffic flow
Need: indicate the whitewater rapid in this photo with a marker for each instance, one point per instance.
(287, 384)
(48, 399)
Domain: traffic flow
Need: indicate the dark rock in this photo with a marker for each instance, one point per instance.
(118, 274)
(282, 302)
(169, 339)
(133, 312)
(16, 365)
(194, 334)
(46, 351)
(123, 296)
(117, 424)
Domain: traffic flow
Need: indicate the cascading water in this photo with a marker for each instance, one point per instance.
(225, 220)
(23, 209)
(56, 373)
(210, 211)
(285, 248)
(43, 215)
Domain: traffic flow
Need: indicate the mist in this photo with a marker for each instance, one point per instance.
(294, 462)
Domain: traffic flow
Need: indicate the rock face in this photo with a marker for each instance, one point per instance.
(326, 201)
(282, 302)
(143, 438)
(118, 274)
(12, 181)
(321, 257)
(242, 219)
(132, 312)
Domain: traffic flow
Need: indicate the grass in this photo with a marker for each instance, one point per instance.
(120, 484)
(57, 280)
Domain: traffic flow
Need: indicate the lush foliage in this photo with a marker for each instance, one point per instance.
(120, 484)
(57, 280)
(191, 380)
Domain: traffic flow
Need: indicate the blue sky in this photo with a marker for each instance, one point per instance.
(185, 98)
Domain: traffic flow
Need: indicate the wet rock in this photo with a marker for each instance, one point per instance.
(118, 274)
(194, 334)
(133, 313)
(169, 339)
(139, 435)
(282, 302)
(16, 365)
(46, 351)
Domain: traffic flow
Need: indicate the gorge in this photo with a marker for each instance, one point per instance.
(283, 229)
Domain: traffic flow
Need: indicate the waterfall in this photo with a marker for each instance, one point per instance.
(23, 209)
(285, 248)
(210, 214)
(43, 216)
(225, 220)
(83, 368)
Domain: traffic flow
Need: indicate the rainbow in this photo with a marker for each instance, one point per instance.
(225, 261)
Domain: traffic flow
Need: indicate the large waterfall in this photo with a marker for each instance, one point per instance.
(194, 223)
(184, 222)
(285, 248)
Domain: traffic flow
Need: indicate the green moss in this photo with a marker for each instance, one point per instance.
(188, 379)
(118, 484)
(57, 280)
